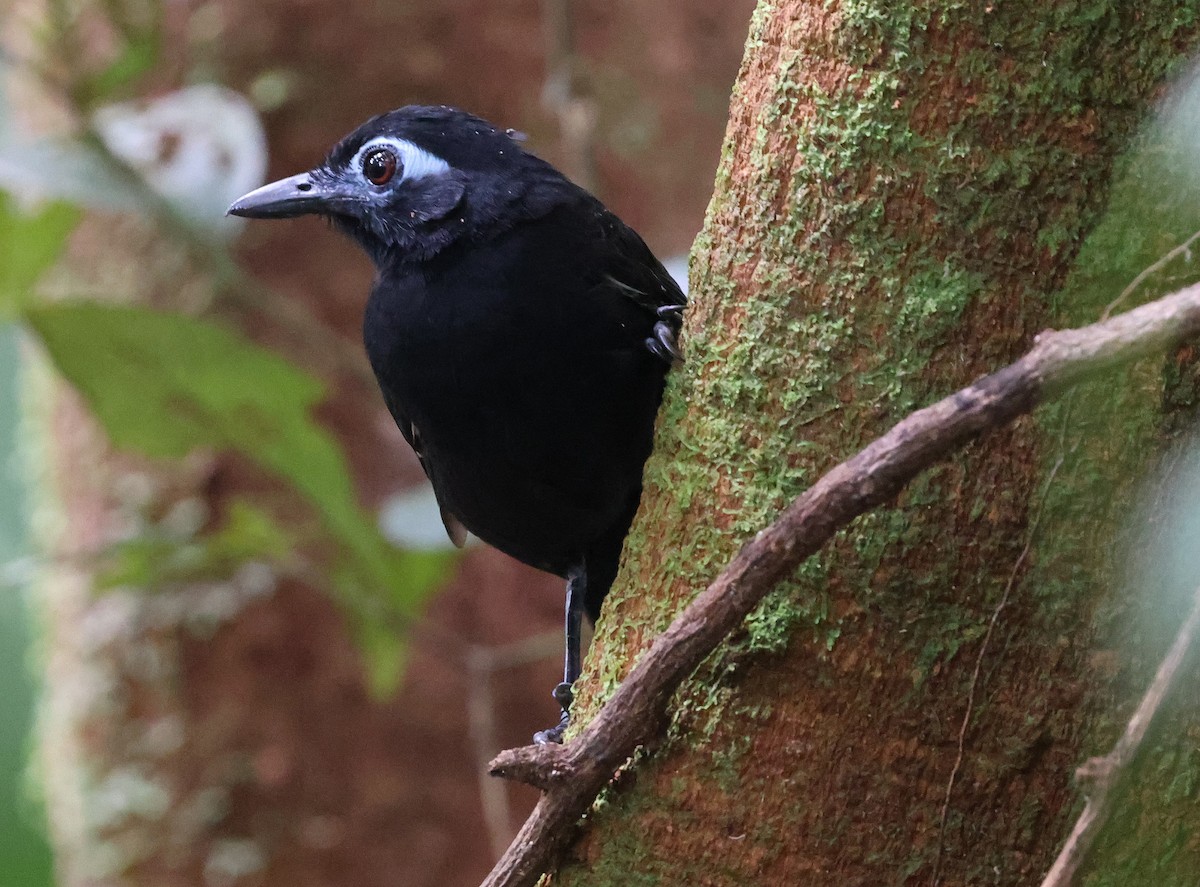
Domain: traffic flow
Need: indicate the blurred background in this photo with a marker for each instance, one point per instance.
(223, 587)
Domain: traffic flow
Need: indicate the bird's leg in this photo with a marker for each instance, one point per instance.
(576, 588)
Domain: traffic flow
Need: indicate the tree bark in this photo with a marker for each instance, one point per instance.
(902, 196)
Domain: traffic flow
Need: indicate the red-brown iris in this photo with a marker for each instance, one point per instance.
(379, 166)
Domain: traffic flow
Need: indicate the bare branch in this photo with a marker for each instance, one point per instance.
(1101, 775)
(542, 766)
(576, 773)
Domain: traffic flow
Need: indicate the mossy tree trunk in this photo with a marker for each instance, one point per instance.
(904, 191)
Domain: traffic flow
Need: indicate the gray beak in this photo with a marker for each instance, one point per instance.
(294, 196)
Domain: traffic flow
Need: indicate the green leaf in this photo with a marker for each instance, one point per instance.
(138, 57)
(30, 242)
(384, 654)
(163, 384)
(249, 532)
(152, 559)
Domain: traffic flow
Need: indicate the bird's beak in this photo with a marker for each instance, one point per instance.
(294, 196)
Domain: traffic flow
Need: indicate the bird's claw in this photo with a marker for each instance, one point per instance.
(669, 312)
(555, 734)
(564, 697)
(662, 343)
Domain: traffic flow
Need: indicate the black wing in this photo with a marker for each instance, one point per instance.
(454, 528)
(635, 273)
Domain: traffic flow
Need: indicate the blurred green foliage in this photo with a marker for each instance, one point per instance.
(164, 383)
(161, 384)
(29, 243)
(156, 557)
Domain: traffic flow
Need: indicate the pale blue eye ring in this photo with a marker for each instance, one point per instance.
(412, 161)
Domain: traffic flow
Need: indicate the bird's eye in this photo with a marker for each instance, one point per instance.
(379, 166)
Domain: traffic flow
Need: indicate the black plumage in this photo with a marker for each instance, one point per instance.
(519, 330)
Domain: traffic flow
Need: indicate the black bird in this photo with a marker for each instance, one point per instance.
(520, 333)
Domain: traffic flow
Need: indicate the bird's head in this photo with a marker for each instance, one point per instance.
(408, 183)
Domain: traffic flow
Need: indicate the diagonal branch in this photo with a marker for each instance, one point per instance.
(572, 776)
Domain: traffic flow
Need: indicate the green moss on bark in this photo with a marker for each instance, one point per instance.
(900, 199)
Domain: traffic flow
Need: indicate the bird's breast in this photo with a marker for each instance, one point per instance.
(535, 407)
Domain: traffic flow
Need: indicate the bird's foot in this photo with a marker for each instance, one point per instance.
(564, 697)
(662, 344)
(553, 736)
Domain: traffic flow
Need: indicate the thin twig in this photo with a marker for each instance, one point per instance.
(232, 284)
(573, 775)
(964, 726)
(481, 721)
(481, 663)
(1101, 775)
(1162, 262)
(576, 114)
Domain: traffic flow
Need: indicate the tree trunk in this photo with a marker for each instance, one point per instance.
(903, 192)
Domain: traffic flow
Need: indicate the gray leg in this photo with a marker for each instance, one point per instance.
(576, 588)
